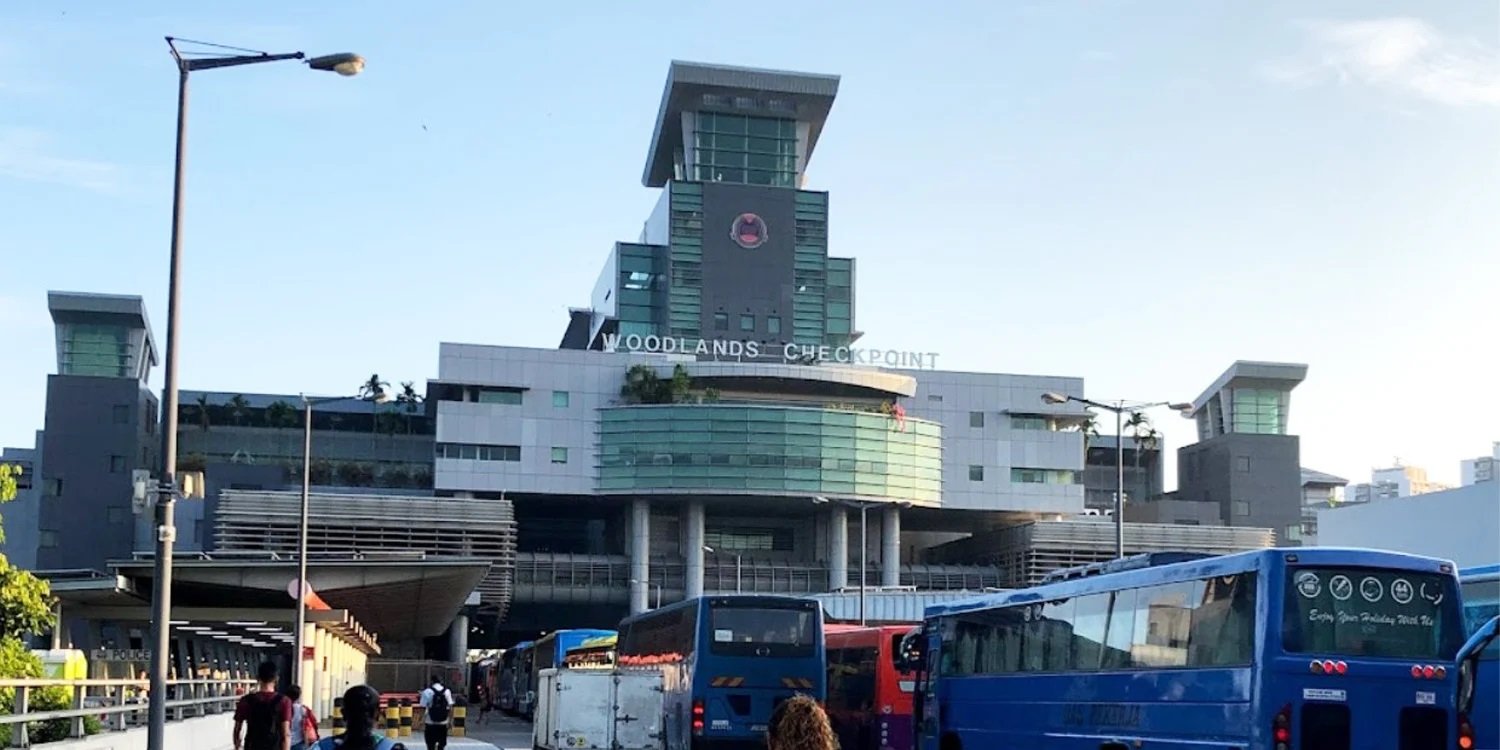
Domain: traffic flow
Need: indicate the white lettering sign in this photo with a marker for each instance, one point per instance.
(1324, 694)
(790, 353)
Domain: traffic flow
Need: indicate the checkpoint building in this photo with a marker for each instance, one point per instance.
(749, 472)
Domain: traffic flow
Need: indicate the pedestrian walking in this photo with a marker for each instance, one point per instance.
(304, 722)
(361, 715)
(262, 719)
(486, 703)
(436, 706)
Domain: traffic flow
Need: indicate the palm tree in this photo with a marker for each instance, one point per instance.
(204, 419)
(280, 414)
(1145, 434)
(373, 388)
(238, 407)
(410, 400)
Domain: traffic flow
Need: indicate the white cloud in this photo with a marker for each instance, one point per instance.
(27, 154)
(1402, 54)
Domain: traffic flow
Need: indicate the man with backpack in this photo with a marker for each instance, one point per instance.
(263, 719)
(362, 716)
(436, 705)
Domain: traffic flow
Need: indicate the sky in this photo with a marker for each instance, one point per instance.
(1136, 193)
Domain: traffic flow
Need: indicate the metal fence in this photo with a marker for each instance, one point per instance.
(117, 704)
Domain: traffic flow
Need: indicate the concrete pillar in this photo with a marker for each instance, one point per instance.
(458, 639)
(838, 547)
(890, 547)
(307, 668)
(692, 553)
(640, 555)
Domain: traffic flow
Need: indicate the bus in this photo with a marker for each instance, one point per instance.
(1481, 594)
(726, 663)
(594, 653)
(1275, 649)
(548, 653)
(869, 699)
(513, 664)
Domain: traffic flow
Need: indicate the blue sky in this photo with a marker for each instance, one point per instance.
(1134, 193)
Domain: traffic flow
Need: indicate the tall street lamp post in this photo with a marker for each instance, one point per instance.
(1119, 408)
(380, 396)
(345, 64)
(864, 545)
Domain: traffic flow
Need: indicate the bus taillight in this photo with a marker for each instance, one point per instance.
(1465, 733)
(698, 716)
(1281, 728)
(1341, 667)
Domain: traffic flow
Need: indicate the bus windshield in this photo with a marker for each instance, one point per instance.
(763, 631)
(1370, 613)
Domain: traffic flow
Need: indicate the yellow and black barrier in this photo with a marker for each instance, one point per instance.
(338, 716)
(392, 720)
(460, 714)
(405, 717)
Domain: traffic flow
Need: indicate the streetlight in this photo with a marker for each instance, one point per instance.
(649, 584)
(737, 590)
(1119, 408)
(378, 396)
(864, 545)
(346, 64)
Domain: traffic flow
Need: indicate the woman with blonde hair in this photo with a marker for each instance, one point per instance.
(799, 723)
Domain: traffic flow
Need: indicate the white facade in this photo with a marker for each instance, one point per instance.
(1462, 525)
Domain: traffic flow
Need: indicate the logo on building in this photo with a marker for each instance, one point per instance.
(748, 231)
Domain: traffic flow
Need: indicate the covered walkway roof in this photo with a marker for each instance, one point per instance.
(396, 598)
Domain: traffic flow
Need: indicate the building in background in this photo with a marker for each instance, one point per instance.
(1394, 482)
(1482, 469)
(1319, 491)
(1245, 468)
(1143, 472)
(101, 426)
(18, 518)
(1462, 525)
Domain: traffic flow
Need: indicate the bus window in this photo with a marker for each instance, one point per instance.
(1383, 614)
(1163, 617)
(1090, 616)
(1223, 629)
(1057, 630)
(1121, 630)
(763, 631)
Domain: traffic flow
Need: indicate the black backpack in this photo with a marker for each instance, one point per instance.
(263, 730)
(437, 710)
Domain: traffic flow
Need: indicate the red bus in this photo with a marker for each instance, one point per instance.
(869, 703)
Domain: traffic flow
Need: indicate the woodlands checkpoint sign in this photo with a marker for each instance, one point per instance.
(790, 353)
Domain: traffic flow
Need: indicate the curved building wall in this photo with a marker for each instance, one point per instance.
(747, 449)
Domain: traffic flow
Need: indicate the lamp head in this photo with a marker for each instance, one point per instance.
(1182, 407)
(344, 63)
(1051, 397)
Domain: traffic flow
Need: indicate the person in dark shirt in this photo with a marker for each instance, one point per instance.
(263, 719)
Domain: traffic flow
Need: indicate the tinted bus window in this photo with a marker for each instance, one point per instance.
(1090, 618)
(1481, 602)
(763, 631)
(1121, 631)
(1223, 628)
(1163, 619)
(1384, 614)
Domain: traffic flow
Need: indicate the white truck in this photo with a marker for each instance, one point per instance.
(598, 709)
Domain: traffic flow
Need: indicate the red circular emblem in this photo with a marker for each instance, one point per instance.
(748, 231)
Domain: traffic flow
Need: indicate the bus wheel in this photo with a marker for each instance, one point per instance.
(950, 741)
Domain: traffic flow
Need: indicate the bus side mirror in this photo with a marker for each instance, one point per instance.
(1468, 663)
(910, 658)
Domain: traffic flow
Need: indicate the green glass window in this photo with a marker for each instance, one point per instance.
(976, 473)
(721, 321)
(773, 325)
(745, 149)
(559, 455)
(747, 322)
(508, 396)
(560, 399)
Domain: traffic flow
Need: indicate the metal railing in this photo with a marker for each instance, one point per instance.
(118, 704)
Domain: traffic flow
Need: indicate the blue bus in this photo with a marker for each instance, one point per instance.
(1481, 592)
(727, 662)
(548, 653)
(1278, 649)
(515, 663)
